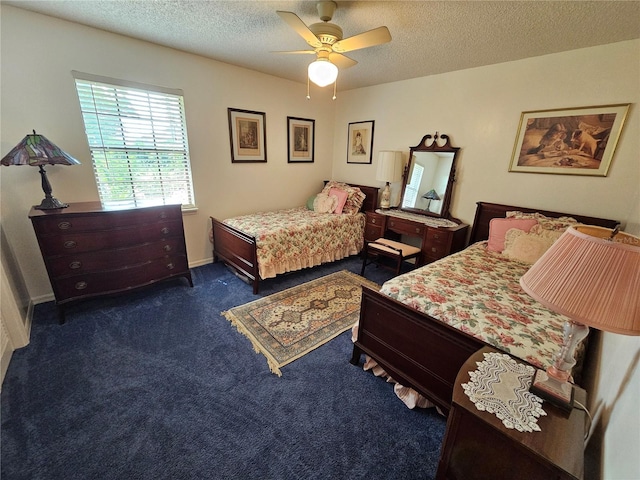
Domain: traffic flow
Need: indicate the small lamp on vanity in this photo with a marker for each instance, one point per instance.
(390, 170)
(37, 151)
(430, 195)
(592, 276)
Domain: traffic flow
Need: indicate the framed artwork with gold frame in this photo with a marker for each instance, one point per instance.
(569, 141)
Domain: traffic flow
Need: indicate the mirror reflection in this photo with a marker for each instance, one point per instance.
(427, 182)
(429, 177)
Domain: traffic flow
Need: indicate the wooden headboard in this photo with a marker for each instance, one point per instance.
(371, 200)
(486, 211)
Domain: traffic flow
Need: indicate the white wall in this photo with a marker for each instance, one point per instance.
(479, 108)
(38, 92)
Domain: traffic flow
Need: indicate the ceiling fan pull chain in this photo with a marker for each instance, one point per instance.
(334, 89)
(308, 96)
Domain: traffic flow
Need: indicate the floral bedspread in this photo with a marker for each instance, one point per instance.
(298, 238)
(478, 292)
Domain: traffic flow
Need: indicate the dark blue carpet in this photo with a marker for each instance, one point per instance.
(158, 385)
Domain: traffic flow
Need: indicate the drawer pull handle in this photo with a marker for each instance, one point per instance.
(163, 215)
(64, 225)
(167, 248)
(170, 266)
(373, 220)
(70, 244)
(76, 264)
(393, 224)
(164, 230)
(434, 249)
(81, 285)
(417, 229)
(436, 236)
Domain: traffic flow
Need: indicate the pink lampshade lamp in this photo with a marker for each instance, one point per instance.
(592, 276)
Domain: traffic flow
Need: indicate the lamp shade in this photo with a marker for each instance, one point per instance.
(390, 166)
(322, 72)
(431, 195)
(591, 277)
(36, 150)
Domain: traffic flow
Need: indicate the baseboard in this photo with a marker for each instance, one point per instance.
(200, 263)
(49, 297)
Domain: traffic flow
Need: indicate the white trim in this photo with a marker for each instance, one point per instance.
(125, 83)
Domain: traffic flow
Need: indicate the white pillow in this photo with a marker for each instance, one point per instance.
(324, 203)
(527, 247)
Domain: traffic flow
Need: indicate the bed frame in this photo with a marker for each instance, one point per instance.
(238, 250)
(417, 350)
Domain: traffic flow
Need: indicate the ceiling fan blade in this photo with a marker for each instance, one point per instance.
(301, 29)
(297, 51)
(371, 38)
(341, 61)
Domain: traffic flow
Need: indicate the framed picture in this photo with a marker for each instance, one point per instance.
(572, 141)
(360, 143)
(247, 133)
(300, 139)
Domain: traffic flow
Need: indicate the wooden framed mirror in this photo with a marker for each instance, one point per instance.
(428, 179)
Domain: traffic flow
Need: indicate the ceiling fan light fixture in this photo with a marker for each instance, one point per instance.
(322, 72)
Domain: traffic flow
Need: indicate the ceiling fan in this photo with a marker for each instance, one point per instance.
(328, 45)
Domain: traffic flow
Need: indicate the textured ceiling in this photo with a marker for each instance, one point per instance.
(429, 37)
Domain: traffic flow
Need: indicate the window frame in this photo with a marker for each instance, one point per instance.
(143, 130)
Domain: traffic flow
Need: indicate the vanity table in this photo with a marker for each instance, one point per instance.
(423, 212)
(435, 242)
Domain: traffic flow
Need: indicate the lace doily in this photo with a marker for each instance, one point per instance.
(431, 221)
(500, 386)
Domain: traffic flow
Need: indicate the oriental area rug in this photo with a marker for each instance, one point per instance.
(289, 324)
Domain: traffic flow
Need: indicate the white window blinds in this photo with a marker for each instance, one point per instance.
(411, 190)
(138, 140)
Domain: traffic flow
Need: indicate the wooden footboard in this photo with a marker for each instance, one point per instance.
(236, 249)
(414, 349)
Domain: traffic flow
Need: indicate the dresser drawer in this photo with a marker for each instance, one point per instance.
(373, 232)
(435, 252)
(78, 263)
(374, 227)
(438, 237)
(98, 283)
(91, 222)
(71, 243)
(405, 227)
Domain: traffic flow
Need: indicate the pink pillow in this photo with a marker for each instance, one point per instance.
(342, 198)
(498, 228)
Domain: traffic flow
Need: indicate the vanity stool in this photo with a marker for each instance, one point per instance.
(399, 252)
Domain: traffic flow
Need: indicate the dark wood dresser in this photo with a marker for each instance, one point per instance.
(90, 251)
(435, 243)
(478, 446)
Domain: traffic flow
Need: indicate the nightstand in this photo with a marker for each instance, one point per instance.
(478, 446)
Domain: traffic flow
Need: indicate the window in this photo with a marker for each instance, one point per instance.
(411, 190)
(137, 135)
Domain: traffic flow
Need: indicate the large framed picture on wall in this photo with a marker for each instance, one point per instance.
(571, 141)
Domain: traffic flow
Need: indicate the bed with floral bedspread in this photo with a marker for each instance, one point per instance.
(266, 244)
(421, 327)
(478, 292)
(297, 238)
